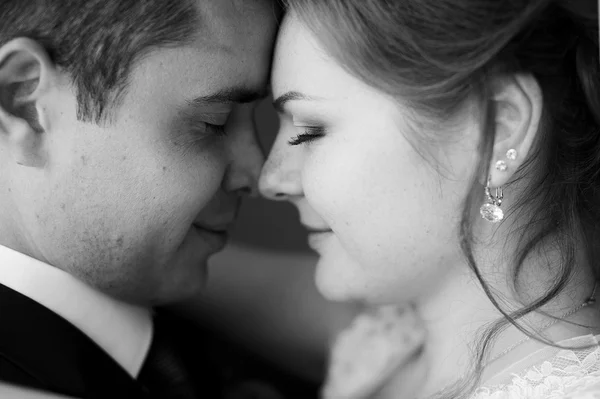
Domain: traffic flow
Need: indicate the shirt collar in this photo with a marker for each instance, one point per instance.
(123, 330)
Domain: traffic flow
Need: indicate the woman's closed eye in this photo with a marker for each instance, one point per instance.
(308, 135)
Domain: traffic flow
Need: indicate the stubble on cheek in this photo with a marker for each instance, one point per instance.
(120, 267)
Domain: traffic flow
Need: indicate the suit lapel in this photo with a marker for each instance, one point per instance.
(55, 353)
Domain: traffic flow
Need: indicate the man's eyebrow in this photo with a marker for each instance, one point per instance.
(232, 95)
(279, 103)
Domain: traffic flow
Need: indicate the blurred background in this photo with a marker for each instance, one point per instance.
(261, 292)
(268, 224)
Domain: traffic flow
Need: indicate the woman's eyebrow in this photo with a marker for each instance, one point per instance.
(280, 102)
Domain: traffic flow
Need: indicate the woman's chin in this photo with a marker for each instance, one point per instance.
(339, 279)
(339, 282)
(332, 288)
(335, 275)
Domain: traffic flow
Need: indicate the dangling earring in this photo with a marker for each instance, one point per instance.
(490, 210)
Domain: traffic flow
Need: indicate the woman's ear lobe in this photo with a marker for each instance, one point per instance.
(26, 74)
(518, 108)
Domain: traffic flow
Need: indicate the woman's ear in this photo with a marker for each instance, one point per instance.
(26, 74)
(518, 103)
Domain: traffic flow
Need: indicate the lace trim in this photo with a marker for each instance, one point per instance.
(569, 374)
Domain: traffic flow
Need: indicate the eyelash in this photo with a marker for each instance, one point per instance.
(310, 134)
(217, 130)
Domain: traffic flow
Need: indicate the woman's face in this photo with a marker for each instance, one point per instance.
(385, 198)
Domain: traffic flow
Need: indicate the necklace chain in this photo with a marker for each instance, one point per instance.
(590, 301)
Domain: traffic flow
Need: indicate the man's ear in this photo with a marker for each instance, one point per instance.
(26, 74)
(518, 107)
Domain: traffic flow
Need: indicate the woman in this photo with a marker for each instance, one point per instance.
(402, 124)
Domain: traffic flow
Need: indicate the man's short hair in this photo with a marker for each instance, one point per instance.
(97, 41)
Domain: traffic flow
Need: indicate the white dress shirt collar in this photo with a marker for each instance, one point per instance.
(124, 331)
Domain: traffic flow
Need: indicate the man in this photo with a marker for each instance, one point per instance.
(126, 141)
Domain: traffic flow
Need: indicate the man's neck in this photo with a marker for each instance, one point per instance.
(124, 331)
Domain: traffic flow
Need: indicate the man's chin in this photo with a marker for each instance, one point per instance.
(186, 274)
(190, 283)
(178, 280)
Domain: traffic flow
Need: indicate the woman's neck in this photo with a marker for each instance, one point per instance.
(459, 312)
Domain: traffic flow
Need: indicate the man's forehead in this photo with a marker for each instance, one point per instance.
(231, 23)
(237, 37)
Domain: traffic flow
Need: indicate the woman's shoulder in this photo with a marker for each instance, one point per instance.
(546, 383)
(559, 374)
(585, 390)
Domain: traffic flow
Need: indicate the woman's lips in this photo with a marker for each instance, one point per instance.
(316, 239)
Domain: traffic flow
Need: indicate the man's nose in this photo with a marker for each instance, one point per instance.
(280, 178)
(245, 155)
(247, 159)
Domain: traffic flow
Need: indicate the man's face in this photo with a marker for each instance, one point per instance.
(128, 207)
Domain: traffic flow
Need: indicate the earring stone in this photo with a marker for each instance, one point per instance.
(491, 210)
(501, 166)
(511, 154)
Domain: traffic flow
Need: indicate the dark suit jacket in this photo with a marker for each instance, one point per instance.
(41, 350)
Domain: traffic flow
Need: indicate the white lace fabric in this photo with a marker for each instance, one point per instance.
(551, 373)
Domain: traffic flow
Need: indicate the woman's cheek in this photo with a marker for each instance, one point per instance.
(330, 179)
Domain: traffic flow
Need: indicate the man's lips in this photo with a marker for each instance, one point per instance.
(218, 229)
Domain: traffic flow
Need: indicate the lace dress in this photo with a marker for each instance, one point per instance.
(550, 373)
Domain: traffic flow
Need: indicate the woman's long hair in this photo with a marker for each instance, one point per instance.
(435, 54)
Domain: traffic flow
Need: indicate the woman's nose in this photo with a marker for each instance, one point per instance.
(279, 179)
